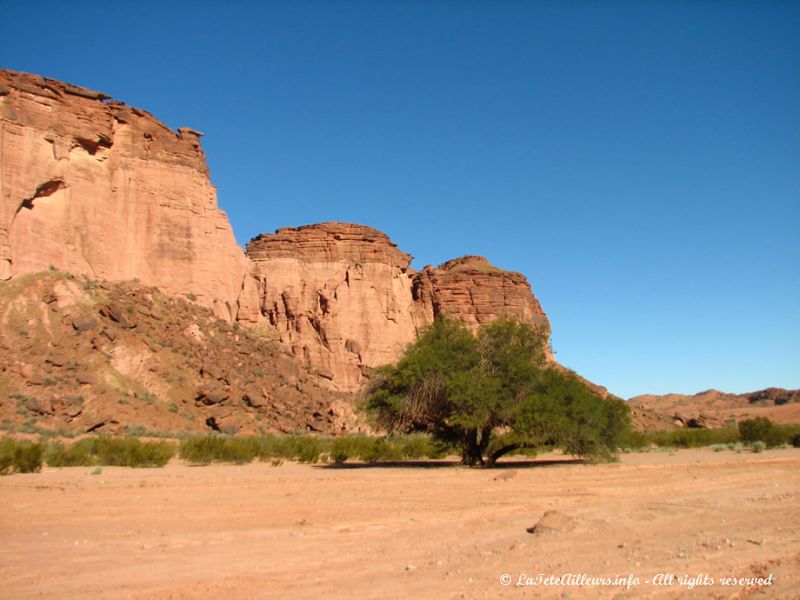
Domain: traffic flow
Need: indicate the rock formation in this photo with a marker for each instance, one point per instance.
(713, 408)
(95, 187)
(472, 290)
(344, 299)
(86, 356)
(339, 295)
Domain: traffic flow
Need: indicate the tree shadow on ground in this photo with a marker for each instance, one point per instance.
(451, 463)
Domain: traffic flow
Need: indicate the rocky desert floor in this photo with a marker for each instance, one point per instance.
(427, 530)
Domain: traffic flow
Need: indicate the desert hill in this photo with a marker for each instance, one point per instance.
(713, 408)
(81, 355)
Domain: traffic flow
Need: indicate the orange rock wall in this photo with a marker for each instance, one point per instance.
(344, 299)
(98, 188)
(106, 190)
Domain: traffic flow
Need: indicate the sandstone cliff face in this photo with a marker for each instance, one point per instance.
(343, 298)
(99, 188)
(472, 290)
(339, 296)
(94, 187)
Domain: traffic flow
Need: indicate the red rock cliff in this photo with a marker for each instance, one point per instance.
(96, 187)
(339, 296)
(471, 289)
(344, 299)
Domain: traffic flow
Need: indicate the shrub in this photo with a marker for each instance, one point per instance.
(341, 450)
(28, 457)
(795, 440)
(308, 450)
(131, 452)
(377, 449)
(20, 457)
(719, 447)
(758, 446)
(418, 445)
(764, 430)
(110, 451)
(683, 438)
(636, 439)
(217, 448)
(78, 454)
(374, 449)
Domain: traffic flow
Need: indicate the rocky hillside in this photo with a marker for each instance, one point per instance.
(713, 408)
(84, 355)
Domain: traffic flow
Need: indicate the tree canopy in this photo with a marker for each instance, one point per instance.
(493, 392)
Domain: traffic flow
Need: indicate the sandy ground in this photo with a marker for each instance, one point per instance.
(301, 531)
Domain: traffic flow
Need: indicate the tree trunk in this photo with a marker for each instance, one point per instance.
(486, 434)
(471, 454)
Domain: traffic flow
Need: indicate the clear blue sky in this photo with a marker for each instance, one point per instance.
(638, 161)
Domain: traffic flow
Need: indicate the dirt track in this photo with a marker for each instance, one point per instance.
(299, 531)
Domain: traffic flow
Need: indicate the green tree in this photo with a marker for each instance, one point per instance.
(492, 393)
(761, 429)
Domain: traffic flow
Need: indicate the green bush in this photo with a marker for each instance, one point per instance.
(131, 452)
(377, 449)
(309, 448)
(751, 430)
(7, 451)
(20, 457)
(758, 446)
(764, 430)
(217, 448)
(418, 445)
(794, 440)
(682, 438)
(341, 450)
(303, 448)
(78, 454)
(110, 451)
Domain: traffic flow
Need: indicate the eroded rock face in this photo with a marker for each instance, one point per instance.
(344, 299)
(471, 289)
(95, 187)
(339, 296)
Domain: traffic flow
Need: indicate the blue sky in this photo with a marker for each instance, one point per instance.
(638, 161)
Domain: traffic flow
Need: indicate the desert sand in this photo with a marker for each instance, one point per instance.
(435, 531)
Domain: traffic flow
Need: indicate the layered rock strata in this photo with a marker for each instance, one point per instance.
(95, 187)
(344, 298)
(91, 186)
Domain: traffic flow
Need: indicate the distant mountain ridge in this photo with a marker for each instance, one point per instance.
(713, 408)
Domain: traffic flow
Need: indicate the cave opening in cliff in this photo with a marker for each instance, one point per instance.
(46, 189)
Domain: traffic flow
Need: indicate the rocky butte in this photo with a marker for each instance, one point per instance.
(94, 187)
(344, 298)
